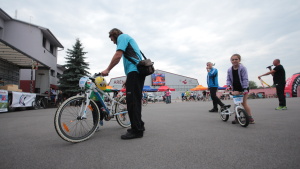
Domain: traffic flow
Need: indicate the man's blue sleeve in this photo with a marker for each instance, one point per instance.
(122, 42)
(212, 72)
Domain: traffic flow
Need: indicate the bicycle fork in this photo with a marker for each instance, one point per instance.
(236, 108)
(84, 107)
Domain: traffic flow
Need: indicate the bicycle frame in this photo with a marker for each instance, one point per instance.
(109, 110)
(236, 107)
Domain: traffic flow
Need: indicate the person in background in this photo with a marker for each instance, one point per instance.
(212, 82)
(237, 80)
(52, 94)
(204, 95)
(278, 74)
(192, 96)
(59, 98)
(187, 95)
(182, 96)
(168, 96)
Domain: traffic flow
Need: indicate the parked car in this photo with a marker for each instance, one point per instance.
(158, 98)
(150, 98)
(155, 98)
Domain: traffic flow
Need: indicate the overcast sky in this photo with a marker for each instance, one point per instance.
(179, 36)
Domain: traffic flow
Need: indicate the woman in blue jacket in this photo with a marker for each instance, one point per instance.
(237, 78)
(212, 83)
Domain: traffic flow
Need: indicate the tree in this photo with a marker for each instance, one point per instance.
(252, 85)
(76, 67)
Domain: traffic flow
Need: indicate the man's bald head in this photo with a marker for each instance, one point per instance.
(276, 62)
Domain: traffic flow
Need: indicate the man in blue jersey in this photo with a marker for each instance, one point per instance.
(212, 82)
(128, 48)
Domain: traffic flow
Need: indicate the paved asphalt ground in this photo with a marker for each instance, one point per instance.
(178, 135)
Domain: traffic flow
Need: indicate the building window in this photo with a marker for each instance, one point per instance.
(1, 33)
(58, 75)
(44, 42)
(51, 49)
(53, 73)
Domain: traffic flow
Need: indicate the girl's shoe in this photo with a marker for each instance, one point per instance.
(235, 121)
(251, 121)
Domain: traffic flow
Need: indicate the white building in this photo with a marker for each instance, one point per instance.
(162, 78)
(22, 44)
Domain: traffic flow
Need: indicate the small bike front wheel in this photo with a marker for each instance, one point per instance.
(69, 123)
(244, 118)
(223, 116)
(123, 118)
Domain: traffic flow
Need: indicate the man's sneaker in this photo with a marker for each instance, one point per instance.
(280, 108)
(131, 135)
(131, 131)
(283, 108)
(213, 110)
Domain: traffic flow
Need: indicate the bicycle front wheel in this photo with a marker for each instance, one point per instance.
(69, 123)
(244, 118)
(123, 118)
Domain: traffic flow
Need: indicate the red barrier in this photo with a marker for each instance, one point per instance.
(291, 85)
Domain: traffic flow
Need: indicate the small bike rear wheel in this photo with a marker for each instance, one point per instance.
(223, 116)
(123, 118)
(70, 125)
(244, 118)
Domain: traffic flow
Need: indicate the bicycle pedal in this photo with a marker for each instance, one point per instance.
(107, 117)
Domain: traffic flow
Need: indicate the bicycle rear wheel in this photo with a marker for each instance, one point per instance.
(68, 123)
(122, 119)
(244, 118)
(224, 117)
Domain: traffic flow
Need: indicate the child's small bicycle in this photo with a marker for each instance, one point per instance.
(78, 117)
(241, 115)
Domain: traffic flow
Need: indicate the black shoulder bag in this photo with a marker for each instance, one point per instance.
(145, 67)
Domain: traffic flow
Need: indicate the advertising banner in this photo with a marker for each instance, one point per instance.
(158, 79)
(22, 99)
(3, 100)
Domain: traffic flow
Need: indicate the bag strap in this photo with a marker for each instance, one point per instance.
(143, 55)
(132, 61)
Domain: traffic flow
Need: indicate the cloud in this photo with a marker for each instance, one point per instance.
(179, 36)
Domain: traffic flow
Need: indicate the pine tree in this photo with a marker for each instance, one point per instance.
(76, 67)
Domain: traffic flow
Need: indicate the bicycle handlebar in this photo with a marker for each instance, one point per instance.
(97, 74)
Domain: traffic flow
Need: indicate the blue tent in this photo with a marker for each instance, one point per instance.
(149, 89)
(221, 88)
